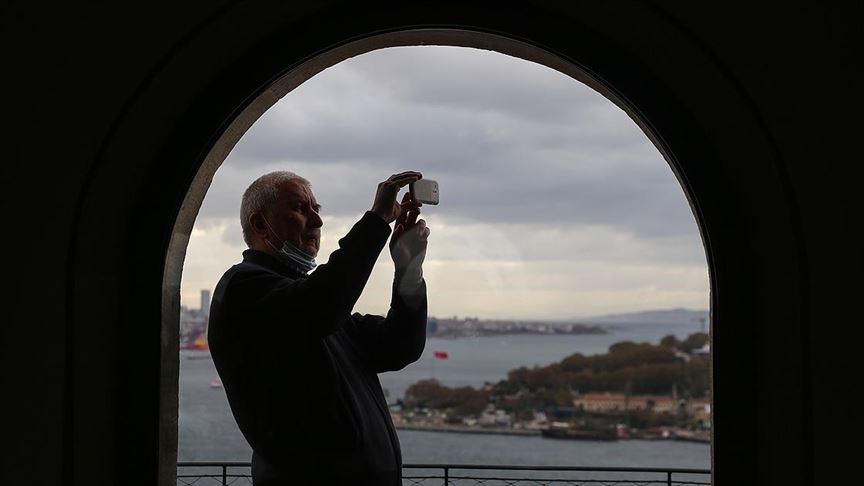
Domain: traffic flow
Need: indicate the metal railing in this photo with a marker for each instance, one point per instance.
(239, 473)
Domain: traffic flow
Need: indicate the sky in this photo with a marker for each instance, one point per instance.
(554, 203)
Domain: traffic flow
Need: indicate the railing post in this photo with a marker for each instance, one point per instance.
(446, 476)
(224, 475)
(668, 478)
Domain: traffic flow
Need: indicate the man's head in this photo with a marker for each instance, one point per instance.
(278, 207)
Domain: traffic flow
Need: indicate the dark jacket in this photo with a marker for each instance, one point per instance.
(300, 370)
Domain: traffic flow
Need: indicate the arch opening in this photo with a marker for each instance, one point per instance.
(294, 78)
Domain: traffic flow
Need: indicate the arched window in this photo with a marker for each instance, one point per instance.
(558, 217)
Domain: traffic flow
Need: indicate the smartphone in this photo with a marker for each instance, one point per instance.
(424, 191)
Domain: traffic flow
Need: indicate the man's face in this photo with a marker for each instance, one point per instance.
(295, 218)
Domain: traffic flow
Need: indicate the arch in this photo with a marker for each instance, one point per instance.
(161, 144)
(305, 71)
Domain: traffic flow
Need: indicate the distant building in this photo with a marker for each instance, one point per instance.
(539, 422)
(205, 302)
(705, 350)
(619, 402)
(431, 326)
(700, 408)
(492, 417)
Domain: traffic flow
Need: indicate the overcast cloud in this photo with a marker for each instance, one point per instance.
(553, 202)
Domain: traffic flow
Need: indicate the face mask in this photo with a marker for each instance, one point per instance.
(291, 255)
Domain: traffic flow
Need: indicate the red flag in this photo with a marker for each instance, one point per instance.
(441, 354)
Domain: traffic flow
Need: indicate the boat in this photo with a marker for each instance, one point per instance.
(577, 434)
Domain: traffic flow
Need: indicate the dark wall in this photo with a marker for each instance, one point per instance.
(110, 109)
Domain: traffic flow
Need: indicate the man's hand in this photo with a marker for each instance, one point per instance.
(409, 240)
(385, 204)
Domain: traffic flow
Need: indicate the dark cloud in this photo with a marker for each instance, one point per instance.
(510, 142)
(477, 81)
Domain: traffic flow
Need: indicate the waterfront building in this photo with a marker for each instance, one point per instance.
(617, 402)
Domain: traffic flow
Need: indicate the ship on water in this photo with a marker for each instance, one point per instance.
(563, 430)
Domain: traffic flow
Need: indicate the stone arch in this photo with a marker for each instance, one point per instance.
(159, 143)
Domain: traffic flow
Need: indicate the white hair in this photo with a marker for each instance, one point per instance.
(261, 195)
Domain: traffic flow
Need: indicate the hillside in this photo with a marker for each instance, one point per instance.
(665, 316)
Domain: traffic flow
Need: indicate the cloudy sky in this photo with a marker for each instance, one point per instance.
(554, 204)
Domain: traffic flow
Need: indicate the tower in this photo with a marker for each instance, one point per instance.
(205, 302)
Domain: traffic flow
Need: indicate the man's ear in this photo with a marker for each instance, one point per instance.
(259, 226)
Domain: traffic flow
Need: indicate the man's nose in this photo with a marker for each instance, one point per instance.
(315, 219)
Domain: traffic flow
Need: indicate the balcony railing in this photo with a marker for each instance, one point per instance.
(239, 473)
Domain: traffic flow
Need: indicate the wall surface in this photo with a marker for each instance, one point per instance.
(109, 111)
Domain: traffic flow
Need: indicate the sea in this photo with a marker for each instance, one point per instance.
(208, 432)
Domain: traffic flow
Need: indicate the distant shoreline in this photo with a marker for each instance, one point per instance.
(464, 429)
(472, 335)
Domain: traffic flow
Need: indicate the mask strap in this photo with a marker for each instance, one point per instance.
(272, 232)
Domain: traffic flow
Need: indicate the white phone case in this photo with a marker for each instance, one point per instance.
(425, 191)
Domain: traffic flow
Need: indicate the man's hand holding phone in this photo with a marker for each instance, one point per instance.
(410, 237)
(385, 204)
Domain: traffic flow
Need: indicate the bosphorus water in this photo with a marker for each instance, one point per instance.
(207, 431)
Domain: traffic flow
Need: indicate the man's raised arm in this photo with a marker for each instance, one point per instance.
(398, 340)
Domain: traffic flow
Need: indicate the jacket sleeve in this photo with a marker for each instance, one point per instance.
(393, 342)
(318, 304)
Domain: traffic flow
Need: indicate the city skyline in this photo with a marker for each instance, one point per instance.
(605, 319)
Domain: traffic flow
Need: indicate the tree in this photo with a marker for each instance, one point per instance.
(628, 367)
(694, 341)
(670, 341)
(460, 401)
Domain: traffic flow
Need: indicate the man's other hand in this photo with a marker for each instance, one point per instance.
(385, 204)
(410, 237)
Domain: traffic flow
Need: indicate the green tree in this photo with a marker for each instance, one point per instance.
(670, 341)
(460, 401)
(694, 341)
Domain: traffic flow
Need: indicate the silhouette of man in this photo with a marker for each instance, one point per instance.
(299, 370)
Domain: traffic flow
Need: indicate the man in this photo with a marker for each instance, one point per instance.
(299, 370)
